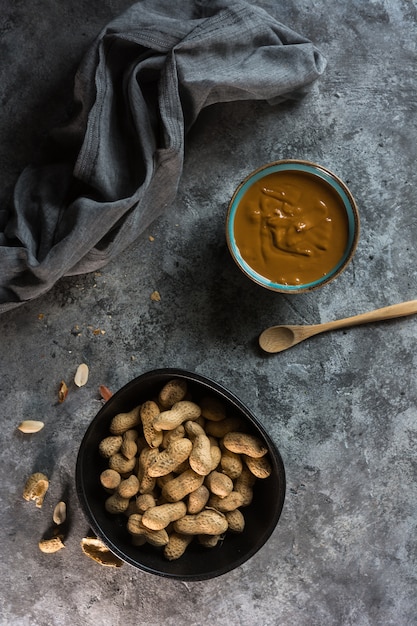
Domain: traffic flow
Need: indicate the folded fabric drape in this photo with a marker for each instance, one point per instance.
(117, 164)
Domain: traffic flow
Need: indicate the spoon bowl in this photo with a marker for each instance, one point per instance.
(280, 338)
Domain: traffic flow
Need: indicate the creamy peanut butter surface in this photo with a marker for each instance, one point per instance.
(291, 227)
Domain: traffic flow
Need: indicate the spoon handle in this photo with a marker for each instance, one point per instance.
(388, 312)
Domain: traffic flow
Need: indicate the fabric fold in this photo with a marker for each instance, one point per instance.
(138, 91)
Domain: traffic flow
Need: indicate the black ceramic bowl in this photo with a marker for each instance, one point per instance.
(198, 562)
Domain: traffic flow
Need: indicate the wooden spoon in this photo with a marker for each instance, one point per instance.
(279, 338)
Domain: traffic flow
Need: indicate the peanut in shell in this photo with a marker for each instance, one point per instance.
(244, 443)
(208, 522)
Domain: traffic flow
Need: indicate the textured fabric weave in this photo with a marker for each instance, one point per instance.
(117, 165)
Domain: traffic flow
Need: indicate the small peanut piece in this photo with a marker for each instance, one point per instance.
(35, 488)
(60, 513)
(30, 426)
(81, 375)
(180, 470)
(62, 391)
(105, 392)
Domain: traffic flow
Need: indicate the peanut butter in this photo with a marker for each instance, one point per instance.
(291, 227)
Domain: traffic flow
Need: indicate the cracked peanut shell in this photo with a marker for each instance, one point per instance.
(95, 549)
(35, 488)
(51, 545)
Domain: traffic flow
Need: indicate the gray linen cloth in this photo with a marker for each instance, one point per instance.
(117, 164)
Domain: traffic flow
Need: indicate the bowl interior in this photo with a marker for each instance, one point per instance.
(198, 563)
(326, 178)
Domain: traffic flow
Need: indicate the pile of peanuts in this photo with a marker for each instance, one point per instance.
(180, 470)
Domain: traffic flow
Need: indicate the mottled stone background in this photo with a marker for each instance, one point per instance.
(341, 407)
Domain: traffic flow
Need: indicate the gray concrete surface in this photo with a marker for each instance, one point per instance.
(341, 408)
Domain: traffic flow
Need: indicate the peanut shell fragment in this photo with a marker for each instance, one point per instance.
(30, 426)
(51, 545)
(35, 488)
(99, 552)
(155, 296)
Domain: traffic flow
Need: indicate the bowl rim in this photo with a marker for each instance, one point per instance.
(329, 178)
(232, 399)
